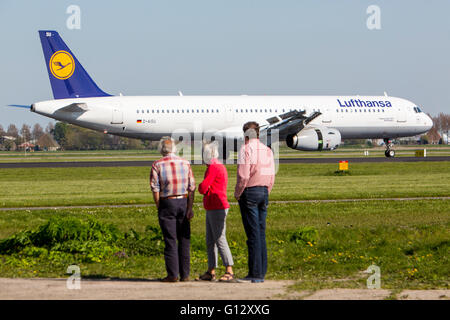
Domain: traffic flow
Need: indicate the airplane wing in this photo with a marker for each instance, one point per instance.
(74, 107)
(288, 123)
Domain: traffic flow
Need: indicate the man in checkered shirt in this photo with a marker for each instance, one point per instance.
(173, 187)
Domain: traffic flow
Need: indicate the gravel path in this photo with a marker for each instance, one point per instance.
(50, 289)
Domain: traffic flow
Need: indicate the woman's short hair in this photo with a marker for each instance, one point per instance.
(166, 145)
(210, 151)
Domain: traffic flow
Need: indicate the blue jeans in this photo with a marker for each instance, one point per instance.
(253, 205)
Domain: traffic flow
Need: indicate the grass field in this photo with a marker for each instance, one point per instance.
(321, 244)
(147, 155)
(129, 185)
(409, 241)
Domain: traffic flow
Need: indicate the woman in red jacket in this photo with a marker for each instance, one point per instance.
(214, 189)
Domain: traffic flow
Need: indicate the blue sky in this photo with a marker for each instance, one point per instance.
(232, 47)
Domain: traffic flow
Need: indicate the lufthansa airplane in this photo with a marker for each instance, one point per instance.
(304, 122)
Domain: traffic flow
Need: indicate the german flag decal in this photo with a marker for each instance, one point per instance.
(139, 121)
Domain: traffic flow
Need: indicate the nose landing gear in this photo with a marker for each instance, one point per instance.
(389, 153)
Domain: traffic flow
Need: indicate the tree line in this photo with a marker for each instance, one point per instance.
(68, 137)
(441, 125)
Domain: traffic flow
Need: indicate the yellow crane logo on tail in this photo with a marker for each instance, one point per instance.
(62, 65)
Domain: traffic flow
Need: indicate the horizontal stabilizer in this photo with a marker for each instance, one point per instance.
(19, 106)
(74, 107)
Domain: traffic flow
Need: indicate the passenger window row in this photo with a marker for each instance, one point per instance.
(177, 111)
(192, 110)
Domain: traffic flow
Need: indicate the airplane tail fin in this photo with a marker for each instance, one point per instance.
(67, 76)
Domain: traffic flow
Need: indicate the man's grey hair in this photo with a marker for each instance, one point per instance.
(166, 145)
(210, 151)
(251, 129)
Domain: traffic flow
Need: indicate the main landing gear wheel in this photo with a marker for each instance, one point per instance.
(389, 153)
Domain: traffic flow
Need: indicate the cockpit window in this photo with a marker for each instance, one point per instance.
(417, 109)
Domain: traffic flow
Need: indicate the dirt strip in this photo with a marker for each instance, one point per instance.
(142, 289)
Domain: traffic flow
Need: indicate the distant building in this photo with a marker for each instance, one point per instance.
(4, 138)
(445, 139)
(7, 143)
(47, 143)
(410, 140)
(27, 146)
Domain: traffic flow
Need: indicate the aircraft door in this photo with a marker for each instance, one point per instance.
(117, 115)
(229, 113)
(326, 116)
(401, 115)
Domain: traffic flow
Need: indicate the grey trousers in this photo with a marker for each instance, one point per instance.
(216, 240)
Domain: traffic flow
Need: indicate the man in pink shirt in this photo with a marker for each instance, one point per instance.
(255, 179)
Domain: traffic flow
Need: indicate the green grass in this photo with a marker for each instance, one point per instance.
(129, 185)
(408, 240)
(147, 155)
(78, 156)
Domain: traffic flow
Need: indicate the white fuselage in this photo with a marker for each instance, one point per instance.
(151, 117)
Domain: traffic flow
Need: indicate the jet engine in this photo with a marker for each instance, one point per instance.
(314, 139)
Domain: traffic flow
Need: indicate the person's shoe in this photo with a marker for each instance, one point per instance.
(207, 276)
(228, 277)
(245, 279)
(169, 279)
(257, 280)
(185, 279)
